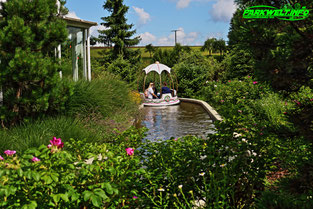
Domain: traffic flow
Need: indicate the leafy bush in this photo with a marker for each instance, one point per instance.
(302, 114)
(193, 71)
(77, 175)
(126, 70)
(237, 64)
(283, 200)
(182, 173)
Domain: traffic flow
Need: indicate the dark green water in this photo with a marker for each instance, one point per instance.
(175, 121)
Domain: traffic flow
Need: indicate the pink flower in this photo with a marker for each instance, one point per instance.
(229, 81)
(1, 158)
(56, 142)
(249, 76)
(61, 145)
(49, 146)
(240, 111)
(255, 82)
(222, 101)
(129, 151)
(135, 197)
(35, 159)
(175, 139)
(261, 133)
(9, 152)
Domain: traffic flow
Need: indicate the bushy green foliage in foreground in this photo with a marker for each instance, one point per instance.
(177, 173)
(278, 127)
(70, 175)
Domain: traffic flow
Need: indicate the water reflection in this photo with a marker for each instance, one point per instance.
(176, 121)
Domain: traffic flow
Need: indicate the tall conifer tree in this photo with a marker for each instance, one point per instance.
(30, 31)
(117, 31)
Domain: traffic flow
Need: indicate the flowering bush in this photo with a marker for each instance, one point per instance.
(74, 174)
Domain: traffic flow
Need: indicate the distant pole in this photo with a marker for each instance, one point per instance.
(175, 31)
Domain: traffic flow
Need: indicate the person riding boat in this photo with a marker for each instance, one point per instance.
(151, 92)
(165, 89)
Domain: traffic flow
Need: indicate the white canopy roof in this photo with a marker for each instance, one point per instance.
(157, 67)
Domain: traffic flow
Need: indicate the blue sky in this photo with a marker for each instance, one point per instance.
(154, 20)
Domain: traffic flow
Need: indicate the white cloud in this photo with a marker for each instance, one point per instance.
(144, 17)
(182, 38)
(223, 10)
(147, 38)
(72, 14)
(94, 30)
(165, 41)
(183, 4)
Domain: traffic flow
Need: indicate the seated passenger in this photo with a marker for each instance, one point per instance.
(150, 91)
(165, 89)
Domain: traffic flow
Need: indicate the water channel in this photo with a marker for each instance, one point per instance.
(175, 121)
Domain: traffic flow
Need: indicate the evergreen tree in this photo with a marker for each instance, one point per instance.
(117, 31)
(29, 34)
(282, 50)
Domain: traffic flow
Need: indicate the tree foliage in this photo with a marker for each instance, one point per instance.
(30, 32)
(282, 50)
(193, 71)
(170, 57)
(151, 49)
(212, 44)
(117, 31)
(208, 45)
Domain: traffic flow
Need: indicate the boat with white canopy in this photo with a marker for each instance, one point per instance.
(164, 99)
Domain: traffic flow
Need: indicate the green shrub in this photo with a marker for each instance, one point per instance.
(237, 64)
(302, 113)
(193, 71)
(125, 69)
(273, 109)
(181, 172)
(95, 176)
(277, 200)
(104, 95)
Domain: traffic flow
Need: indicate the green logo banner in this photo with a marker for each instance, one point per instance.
(287, 12)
